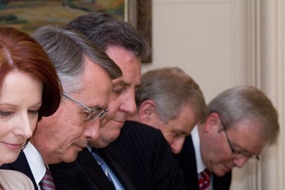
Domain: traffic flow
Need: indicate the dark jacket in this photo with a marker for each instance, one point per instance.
(140, 158)
(21, 165)
(187, 161)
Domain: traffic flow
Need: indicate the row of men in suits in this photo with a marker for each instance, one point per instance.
(136, 155)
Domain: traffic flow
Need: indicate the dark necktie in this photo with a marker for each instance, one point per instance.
(47, 182)
(204, 180)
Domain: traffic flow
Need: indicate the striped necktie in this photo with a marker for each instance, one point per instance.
(47, 182)
(204, 180)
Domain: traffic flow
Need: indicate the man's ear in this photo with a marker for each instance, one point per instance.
(212, 121)
(146, 110)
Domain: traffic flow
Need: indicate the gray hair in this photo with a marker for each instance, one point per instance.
(247, 103)
(67, 49)
(105, 30)
(171, 88)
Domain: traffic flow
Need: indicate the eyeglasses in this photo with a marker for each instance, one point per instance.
(242, 153)
(93, 113)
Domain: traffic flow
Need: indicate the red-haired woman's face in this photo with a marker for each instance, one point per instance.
(20, 101)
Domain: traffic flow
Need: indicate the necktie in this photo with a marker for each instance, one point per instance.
(108, 172)
(204, 180)
(47, 182)
(102, 164)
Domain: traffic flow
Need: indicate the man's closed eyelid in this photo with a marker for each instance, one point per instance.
(240, 151)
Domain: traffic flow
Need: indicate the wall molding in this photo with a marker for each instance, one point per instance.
(265, 70)
(273, 84)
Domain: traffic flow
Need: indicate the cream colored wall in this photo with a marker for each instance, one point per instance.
(223, 43)
(204, 38)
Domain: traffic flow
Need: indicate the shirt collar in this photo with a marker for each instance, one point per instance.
(35, 161)
(196, 142)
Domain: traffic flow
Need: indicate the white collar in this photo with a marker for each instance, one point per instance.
(35, 161)
(196, 143)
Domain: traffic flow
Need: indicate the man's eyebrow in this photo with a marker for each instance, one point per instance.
(127, 84)
(98, 107)
(121, 82)
(180, 132)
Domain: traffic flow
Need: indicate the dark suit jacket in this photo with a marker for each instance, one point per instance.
(140, 158)
(187, 161)
(71, 176)
(21, 165)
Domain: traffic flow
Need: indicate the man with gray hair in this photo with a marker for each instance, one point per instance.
(241, 122)
(170, 100)
(86, 74)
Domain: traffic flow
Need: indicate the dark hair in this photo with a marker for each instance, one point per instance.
(104, 30)
(18, 51)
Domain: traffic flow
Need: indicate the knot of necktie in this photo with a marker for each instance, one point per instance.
(47, 182)
(204, 180)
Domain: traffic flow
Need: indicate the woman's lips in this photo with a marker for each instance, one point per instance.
(14, 146)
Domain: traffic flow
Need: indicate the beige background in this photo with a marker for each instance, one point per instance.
(223, 43)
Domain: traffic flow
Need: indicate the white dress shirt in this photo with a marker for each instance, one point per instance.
(196, 143)
(36, 162)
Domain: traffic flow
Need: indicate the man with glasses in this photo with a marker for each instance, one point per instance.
(238, 153)
(86, 74)
(127, 155)
(241, 122)
(93, 113)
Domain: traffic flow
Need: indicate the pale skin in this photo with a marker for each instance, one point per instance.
(174, 130)
(122, 101)
(61, 136)
(216, 153)
(20, 101)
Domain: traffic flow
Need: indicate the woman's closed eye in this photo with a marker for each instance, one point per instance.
(5, 113)
(34, 112)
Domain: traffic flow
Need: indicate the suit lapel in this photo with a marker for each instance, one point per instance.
(187, 161)
(94, 170)
(114, 160)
